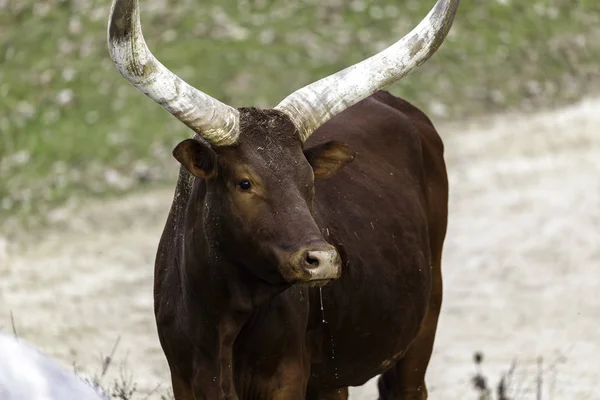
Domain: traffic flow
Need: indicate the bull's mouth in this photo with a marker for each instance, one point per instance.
(318, 283)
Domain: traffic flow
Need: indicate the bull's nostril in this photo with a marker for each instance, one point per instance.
(312, 261)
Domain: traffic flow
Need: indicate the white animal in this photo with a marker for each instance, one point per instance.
(27, 374)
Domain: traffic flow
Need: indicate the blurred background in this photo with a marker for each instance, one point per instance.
(84, 155)
(71, 125)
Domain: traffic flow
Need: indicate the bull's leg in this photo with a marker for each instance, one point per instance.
(181, 390)
(288, 383)
(334, 394)
(406, 379)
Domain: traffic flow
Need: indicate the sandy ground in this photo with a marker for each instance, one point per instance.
(521, 266)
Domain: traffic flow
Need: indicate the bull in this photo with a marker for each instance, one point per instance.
(302, 251)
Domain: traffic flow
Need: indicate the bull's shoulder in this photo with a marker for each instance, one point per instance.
(423, 124)
(396, 144)
(383, 125)
(378, 117)
(402, 105)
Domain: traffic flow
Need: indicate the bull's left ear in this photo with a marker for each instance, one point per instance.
(328, 158)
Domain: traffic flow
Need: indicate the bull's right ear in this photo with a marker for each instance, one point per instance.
(198, 158)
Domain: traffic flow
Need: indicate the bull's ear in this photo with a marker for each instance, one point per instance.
(199, 159)
(328, 158)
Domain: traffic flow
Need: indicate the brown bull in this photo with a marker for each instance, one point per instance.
(302, 252)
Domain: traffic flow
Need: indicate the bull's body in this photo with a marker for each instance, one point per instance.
(228, 333)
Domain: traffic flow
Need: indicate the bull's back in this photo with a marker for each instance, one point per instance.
(382, 211)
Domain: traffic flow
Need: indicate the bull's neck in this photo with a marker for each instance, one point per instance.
(217, 306)
(219, 284)
(210, 277)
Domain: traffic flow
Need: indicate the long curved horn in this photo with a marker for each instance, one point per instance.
(216, 122)
(313, 105)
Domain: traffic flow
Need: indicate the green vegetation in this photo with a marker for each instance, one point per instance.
(71, 125)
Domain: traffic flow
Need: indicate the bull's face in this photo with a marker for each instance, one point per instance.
(258, 208)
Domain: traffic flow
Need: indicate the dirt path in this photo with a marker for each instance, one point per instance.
(521, 266)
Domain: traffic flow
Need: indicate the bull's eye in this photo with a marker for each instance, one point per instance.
(244, 184)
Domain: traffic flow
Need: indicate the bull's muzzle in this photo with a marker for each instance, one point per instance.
(315, 265)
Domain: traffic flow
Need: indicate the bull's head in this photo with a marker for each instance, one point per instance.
(259, 178)
(259, 195)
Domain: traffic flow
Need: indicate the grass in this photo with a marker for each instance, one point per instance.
(122, 388)
(514, 384)
(71, 126)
